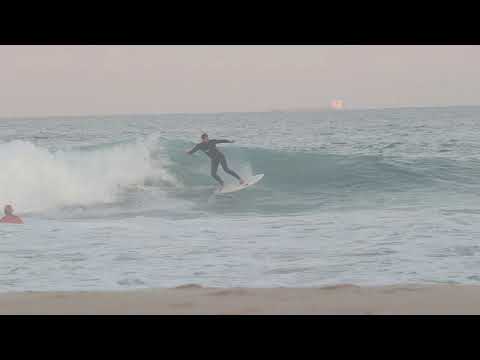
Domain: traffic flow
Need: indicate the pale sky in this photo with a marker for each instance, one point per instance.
(87, 80)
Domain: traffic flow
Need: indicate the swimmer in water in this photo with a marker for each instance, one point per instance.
(9, 217)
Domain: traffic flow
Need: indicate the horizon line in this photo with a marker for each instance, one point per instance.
(279, 110)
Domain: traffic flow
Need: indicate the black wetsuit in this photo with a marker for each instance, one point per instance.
(216, 156)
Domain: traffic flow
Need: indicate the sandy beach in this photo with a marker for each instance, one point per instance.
(193, 299)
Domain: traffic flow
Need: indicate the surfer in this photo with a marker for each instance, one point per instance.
(9, 217)
(209, 147)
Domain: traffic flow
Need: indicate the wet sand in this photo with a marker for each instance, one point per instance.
(193, 299)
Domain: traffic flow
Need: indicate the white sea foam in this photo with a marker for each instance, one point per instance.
(34, 179)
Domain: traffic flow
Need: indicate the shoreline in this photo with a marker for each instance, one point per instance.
(194, 299)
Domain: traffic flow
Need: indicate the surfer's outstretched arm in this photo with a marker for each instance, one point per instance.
(195, 149)
(222, 141)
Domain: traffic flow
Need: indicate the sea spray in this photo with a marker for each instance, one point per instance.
(36, 179)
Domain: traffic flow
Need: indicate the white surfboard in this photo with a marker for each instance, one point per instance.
(237, 187)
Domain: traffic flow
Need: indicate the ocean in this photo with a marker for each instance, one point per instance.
(364, 197)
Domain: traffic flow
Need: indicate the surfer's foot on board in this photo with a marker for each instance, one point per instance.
(242, 182)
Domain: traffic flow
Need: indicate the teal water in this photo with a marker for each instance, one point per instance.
(360, 196)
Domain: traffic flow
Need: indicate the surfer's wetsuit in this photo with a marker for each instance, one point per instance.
(216, 157)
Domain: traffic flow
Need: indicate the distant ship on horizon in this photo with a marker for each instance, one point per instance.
(334, 105)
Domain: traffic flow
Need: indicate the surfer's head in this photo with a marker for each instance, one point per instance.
(204, 137)
(8, 210)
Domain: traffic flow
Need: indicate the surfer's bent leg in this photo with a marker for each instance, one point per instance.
(223, 161)
(215, 163)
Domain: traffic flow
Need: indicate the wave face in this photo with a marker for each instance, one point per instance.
(37, 179)
(305, 181)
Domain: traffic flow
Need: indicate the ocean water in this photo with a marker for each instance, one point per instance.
(366, 197)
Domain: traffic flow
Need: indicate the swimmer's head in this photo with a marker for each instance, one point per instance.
(8, 210)
(204, 137)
